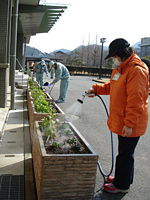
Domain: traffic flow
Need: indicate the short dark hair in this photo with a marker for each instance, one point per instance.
(146, 61)
(124, 53)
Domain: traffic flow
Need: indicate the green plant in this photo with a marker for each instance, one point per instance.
(63, 128)
(55, 145)
(75, 144)
(45, 121)
(42, 106)
(48, 125)
(76, 147)
(40, 103)
(37, 92)
(72, 140)
(50, 131)
(31, 82)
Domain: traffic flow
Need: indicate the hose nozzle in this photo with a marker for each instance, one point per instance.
(79, 100)
(84, 95)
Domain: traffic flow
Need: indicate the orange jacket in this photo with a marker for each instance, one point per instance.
(128, 89)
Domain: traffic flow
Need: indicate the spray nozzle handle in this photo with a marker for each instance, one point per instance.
(89, 95)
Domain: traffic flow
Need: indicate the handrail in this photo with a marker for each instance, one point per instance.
(19, 64)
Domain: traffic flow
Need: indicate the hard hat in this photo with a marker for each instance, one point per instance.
(51, 64)
(43, 62)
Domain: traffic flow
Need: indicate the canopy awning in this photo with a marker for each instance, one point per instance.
(33, 19)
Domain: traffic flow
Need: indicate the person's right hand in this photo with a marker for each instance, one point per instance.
(90, 92)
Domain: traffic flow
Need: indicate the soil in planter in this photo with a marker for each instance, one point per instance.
(66, 142)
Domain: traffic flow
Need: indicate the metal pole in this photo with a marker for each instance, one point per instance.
(13, 51)
(9, 31)
(102, 40)
(100, 69)
(9, 39)
(24, 53)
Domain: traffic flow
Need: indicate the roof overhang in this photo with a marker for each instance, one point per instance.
(29, 2)
(33, 19)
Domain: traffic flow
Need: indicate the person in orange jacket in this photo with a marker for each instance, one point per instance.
(128, 112)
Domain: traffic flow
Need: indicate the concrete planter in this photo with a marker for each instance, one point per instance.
(48, 98)
(35, 116)
(63, 176)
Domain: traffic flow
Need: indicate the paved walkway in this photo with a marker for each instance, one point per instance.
(15, 149)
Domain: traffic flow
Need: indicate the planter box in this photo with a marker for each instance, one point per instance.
(30, 99)
(38, 116)
(63, 176)
(48, 98)
(35, 116)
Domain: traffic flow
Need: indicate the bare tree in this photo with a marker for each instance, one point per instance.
(88, 52)
(96, 55)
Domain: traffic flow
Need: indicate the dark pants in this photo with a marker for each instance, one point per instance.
(125, 162)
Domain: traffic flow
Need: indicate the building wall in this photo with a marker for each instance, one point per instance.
(145, 46)
(4, 70)
(19, 51)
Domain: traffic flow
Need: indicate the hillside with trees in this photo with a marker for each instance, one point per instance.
(88, 56)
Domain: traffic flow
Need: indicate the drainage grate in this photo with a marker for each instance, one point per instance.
(11, 187)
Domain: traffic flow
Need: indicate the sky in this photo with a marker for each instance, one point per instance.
(86, 21)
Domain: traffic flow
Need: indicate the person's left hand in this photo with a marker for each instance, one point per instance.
(126, 131)
(51, 83)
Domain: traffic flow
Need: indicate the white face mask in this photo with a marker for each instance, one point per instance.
(116, 61)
